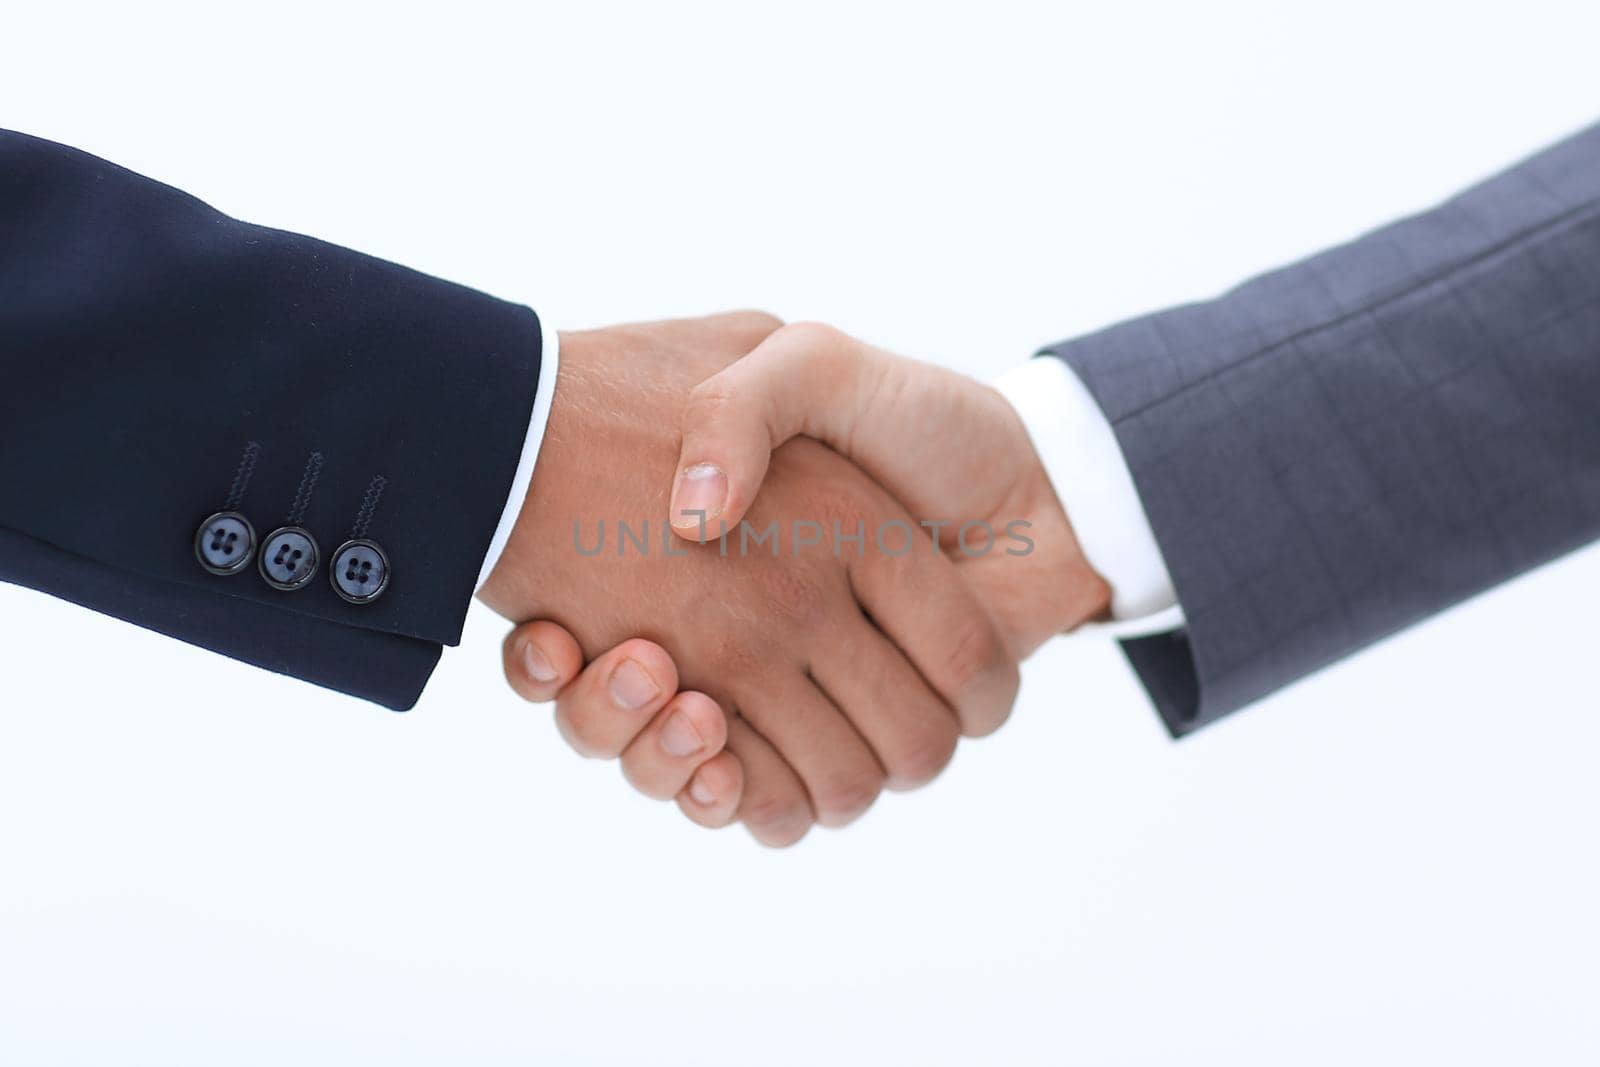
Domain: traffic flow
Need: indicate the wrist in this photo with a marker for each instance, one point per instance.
(1076, 446)
(1050, 588)
(1065, 589)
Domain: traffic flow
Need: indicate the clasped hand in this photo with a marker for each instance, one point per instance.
(799, 568)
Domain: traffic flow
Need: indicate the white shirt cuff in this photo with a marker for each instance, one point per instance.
(544, 395)
(1084, 463)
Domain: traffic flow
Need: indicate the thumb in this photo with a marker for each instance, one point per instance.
(805, 378)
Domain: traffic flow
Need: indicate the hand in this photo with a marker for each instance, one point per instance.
(951, 450)
(834, 682)
(935, 437)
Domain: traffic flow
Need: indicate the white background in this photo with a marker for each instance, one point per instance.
(1393, 862)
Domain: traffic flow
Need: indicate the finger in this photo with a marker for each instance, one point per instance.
(773, 805)
(909, 727)
(840, 774)
(615, 698)
(944, 631)
(661, 759)
(713, 793)
(805, 378)
(540, 659)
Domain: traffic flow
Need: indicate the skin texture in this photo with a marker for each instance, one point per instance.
(810, 681)
(948, 447)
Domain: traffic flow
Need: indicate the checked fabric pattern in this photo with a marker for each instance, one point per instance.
(1343, 447)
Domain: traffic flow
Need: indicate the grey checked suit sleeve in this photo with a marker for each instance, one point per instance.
(1341, 448)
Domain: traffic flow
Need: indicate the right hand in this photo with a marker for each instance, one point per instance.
(952, 450)
(837, 675)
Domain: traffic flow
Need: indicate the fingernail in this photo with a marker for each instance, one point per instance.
(701, 793)
(700, 495)
(679, 738)
(631, 687)
(537, 664)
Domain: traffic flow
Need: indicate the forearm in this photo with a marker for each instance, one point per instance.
(1341, 448)
(148, 340)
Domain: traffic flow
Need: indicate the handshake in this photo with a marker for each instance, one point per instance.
(799, 568)
(770, 568)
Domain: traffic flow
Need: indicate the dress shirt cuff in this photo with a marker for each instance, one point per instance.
(544, 395)
(1084, 463)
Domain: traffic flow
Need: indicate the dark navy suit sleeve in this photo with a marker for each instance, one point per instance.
(160, 362)
(1343, 447)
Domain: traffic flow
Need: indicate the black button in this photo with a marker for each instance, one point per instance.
(225, 542)
(360, 571)
(289, 558)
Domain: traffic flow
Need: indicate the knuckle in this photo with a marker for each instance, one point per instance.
(844, 797)
(925, 756)
(825, 347)
(811, 334)
(584, 736)
(644, 782)
(757, 320)
(973, 653)
(777, 819)
(831, 352)
(989, 704)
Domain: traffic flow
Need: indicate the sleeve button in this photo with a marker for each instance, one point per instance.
(289, 558)
(360, 571)
(225, 543)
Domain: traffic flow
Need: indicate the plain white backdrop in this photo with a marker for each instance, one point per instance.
(1393, 862)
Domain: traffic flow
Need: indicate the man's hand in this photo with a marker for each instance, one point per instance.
(950, 449)
(839, 670)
